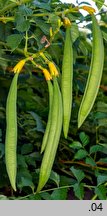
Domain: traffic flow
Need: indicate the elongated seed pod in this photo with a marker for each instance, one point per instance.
(46, 134)
(67, 76)
(53, 139)
(95, 73)
(11, 132)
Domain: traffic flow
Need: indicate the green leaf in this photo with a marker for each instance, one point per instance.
(90, 161)
(24, 179)
(74, 32)
(104, 35)
(103, 160)
(84, 138)
(39, 123)
(55, 52)
(64, 180)
(24, 10)
(99, 3)
(31, 160)
(23, 26)
(79, 174)
(101, 179)
(41, 5)
(101, 107)
(26, 148)
(34, 197)
(79, 190)
(83, 48)
(45, 196)
(81, 154)
(55, 177)
(101, 192)
(59, 194)
(100, 115)
(14, 40)
(45, 27)
(21, 161)
(96, 148)
(75, 145)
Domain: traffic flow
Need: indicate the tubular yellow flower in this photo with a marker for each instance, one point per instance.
(47, 74)
(67, 22)
(18, 67)
(90, 10)
(53, 69)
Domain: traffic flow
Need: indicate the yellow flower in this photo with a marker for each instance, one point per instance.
(90, 10)
(18, 67)
(67, 22)
(53, 69)
(47, 74)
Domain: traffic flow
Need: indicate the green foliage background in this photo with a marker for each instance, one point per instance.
(80, 167)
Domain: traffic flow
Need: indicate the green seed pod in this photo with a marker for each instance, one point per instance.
(11, 132)
(46, 134)
(95, 73)
(67, 77)
(53, 138)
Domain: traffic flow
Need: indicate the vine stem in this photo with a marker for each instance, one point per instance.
(51, 189)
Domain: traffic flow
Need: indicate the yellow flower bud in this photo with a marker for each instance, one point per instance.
(51, 32)
(90, 10)
(47, 74)
(18, 67)
(52, 68)
(67, 22)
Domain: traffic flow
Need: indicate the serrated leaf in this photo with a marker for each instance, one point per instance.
(96, 148)
(79, 174)
(59, 194)
(83, 48)
(14, 40)
(75, 145)
(104, 35)
(23, 26)
(55, 52)
(84, 138)
(64, 180)
(90, 161)
(79, 190)
(41, 5)
(101, 179)
(74, 32)
(45, 27)
(24, 10)
(81, 154)
(101, 192)
(55, 177)
(99, 3)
